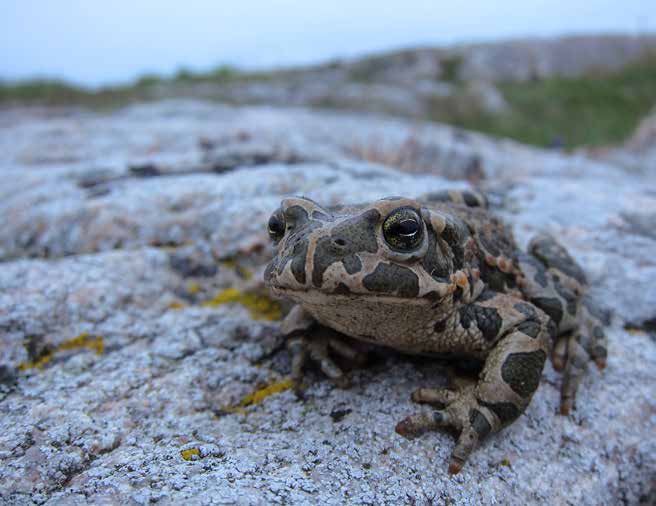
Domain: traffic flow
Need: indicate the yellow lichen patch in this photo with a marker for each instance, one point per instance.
(36, 364)
(84, 340)
(260, 306)
(176, 305)
(190, 454)
(260, 394)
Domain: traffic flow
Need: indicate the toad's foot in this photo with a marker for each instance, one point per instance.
(297, 327)
(460, 411)
(509, 378)
(574, 351)
(319, 349)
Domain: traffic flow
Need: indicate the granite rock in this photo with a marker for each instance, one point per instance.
(125, 379)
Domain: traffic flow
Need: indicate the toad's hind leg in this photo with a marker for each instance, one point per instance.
(509, 378)
(555, 283)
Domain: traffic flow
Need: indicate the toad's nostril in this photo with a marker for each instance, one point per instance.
(339, 242)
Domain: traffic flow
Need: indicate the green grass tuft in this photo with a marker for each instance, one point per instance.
(595, 110)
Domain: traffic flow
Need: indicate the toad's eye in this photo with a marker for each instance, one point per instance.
(403, 229)
(276, 226)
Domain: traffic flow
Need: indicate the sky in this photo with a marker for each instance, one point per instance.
(96, 42)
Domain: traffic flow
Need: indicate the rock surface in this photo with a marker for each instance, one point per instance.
(639, 151)
(125, 378)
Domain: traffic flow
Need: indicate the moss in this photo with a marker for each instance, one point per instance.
(260, 306)
(190, 454)
(84, 340)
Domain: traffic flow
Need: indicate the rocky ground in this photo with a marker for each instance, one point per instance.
(139, 363)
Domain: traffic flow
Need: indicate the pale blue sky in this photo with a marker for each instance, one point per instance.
(94, 42)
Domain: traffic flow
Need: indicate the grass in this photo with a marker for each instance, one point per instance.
(594, 110)
(56, 92)
(53, 92)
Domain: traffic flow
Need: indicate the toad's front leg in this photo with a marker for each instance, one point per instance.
(308, 341)
(509, 378)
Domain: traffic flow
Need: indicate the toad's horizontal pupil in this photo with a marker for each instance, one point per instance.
(407, 227)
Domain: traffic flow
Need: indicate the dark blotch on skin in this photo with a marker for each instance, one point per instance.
(554, 255)
(355, 235)
(493, 277)
(299, 259)
(505, 411)
(527, 310)
(530, 327)
(342, 289)
(352, 264)
(470, 199)
(487, 319)
(540, 276)
(392, 278)
(568, 296)
(551, 306)
(479, 423)
(510, 281)
(522, 371)
(440, 326)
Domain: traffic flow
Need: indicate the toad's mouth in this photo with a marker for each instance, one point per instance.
(317, 295)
